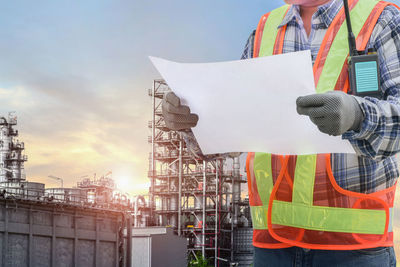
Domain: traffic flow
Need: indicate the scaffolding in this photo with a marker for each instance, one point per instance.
(199, 198)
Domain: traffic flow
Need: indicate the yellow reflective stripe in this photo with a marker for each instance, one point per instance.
(344, 220)
(340, 46)
(271, 31)
(304, 177)
(263, 174)
(259, 217)
(331, 219)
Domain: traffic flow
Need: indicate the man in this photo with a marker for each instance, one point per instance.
(334, 209)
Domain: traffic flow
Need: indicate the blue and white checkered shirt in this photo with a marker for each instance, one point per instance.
(374, 167)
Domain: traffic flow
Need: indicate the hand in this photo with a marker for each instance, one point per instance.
(177, 117)
(334, 112)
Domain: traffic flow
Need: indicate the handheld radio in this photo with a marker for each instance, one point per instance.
(363, 66)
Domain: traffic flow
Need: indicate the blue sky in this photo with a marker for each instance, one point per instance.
(77, 74)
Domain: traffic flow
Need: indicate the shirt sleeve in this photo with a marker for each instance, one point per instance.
(379, 136)
(188, 136)
(249, 47)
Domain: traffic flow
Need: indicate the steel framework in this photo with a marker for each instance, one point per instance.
(200, 198)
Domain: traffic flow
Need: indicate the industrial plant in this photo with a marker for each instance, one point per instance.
(81, 226)
(200, 198)
(195, 209)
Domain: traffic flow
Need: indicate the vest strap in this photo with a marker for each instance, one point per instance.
(304, 179)
(263, 174)
(271, 29)
(339, 50)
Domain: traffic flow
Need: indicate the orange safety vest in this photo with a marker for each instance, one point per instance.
(295, 200)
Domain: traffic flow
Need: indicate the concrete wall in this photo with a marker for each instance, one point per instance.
(57, 235)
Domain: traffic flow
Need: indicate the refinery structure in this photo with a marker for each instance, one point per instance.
(194, 209)
(199, 197)
(80, 226)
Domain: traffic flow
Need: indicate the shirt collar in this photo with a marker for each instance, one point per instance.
(326, 13)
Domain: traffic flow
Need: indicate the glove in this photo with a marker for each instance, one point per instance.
(176, 116)
(334, 112)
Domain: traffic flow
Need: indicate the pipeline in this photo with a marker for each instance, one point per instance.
(137, 208)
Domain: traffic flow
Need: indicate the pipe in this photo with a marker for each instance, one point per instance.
(153, 167)
(129, 240)
(180, 187)
(203, 230)
(236, 189)
(136, 207)
(220, 203)
(216, 215)
(173, 186)
(232, 223)
(136, 214)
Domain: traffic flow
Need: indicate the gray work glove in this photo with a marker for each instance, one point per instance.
(334, 112)
(176, 116)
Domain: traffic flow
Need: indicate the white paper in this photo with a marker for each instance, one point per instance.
(250, 105)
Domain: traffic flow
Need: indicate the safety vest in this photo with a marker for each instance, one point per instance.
(295, 200)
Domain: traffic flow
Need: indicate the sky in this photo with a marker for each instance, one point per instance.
(77, 72)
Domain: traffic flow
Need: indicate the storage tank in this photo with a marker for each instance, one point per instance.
(22, 189)
(67, 195)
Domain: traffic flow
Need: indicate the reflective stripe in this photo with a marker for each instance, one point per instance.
(390, 227)
(303, 186)
(259, 218)
(340, 46)
(345, 220)
(271, 30)
(263, 174)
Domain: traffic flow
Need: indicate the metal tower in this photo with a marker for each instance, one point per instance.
(11, 151)
(199, 198)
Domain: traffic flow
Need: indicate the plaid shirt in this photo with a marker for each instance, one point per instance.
(374, 167)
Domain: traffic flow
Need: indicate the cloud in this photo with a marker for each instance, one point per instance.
(73, 126)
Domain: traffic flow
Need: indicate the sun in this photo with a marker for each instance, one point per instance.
(130, 184)
(123, 183)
